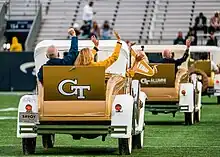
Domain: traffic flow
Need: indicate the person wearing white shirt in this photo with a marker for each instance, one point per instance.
(88, 12)
(214, 67)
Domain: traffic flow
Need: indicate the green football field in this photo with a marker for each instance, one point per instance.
(165, 136)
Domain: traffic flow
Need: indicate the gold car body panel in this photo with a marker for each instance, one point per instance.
(162, 86)
(168, 92)
(58, 107)
(63, 110)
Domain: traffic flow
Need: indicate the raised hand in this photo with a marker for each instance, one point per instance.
(130, 44)
(71, 31)
(95, 41)
(117, 36)
(140, 56)
(188, 43)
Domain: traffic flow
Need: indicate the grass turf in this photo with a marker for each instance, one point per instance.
(165, 136)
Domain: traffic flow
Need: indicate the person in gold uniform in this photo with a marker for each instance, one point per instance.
(15, 46)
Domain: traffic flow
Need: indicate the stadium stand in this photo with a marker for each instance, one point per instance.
(143, 21)
(177, 16)
(26, 10)
(57, 20)
(173, 15)
(121, 14)
(19, 9)
(1, 3)
(34, 30)
(208, 8)
(132, 17)
(3, 9)
(105, 10)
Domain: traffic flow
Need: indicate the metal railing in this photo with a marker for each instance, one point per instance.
(10, 8)
(35, 28)
(2, 19)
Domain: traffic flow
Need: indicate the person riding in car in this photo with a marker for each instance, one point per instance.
(86, 57)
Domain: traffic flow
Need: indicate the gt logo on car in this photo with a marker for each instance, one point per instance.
(76, 90)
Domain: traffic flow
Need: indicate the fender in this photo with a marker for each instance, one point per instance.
(121, 120)
(143, 98)
(140, 98)
(186, 100)
(217, 85)
(199, 96)
(27, 119)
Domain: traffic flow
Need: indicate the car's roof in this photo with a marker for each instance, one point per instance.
(160, 48)
(204, 49)
(64, 45)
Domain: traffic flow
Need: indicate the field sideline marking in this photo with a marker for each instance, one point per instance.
(8, 109)
(15, 93)
(7, 118)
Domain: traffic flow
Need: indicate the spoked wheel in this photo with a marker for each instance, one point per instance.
(48, 140)
(201, 73)
(189, 118)
(29, 145)
(197, 116)
(125, 146)
(138, 141)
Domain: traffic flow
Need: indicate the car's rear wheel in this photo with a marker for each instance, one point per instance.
(125, 146)
(138, 140)
(189, 118)
(197, 115)
(28, 145)
(48, 140)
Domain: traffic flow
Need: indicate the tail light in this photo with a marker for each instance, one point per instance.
(28, 108)
(217, 81)
(118, 107)
(183, 92)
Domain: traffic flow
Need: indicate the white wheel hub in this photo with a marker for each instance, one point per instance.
(130, 144)
(192, 117)
(142, 139)
(199, 114)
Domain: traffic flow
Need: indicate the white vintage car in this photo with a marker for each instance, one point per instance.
(169, 91)
(205, 64)
(83, 102)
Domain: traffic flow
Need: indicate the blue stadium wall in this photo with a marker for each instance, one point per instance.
(17, 71)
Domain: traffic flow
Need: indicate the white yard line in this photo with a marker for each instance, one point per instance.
(15, 93)
(7, 118)
(180, 146)
(8, 109)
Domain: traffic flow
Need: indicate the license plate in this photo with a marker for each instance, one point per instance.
(28, 117)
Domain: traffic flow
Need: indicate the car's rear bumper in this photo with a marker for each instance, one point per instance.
(162, 108)
(73, 129)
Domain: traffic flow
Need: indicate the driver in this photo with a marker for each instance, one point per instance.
(53, 55)
(214, 67)
(167, 56)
